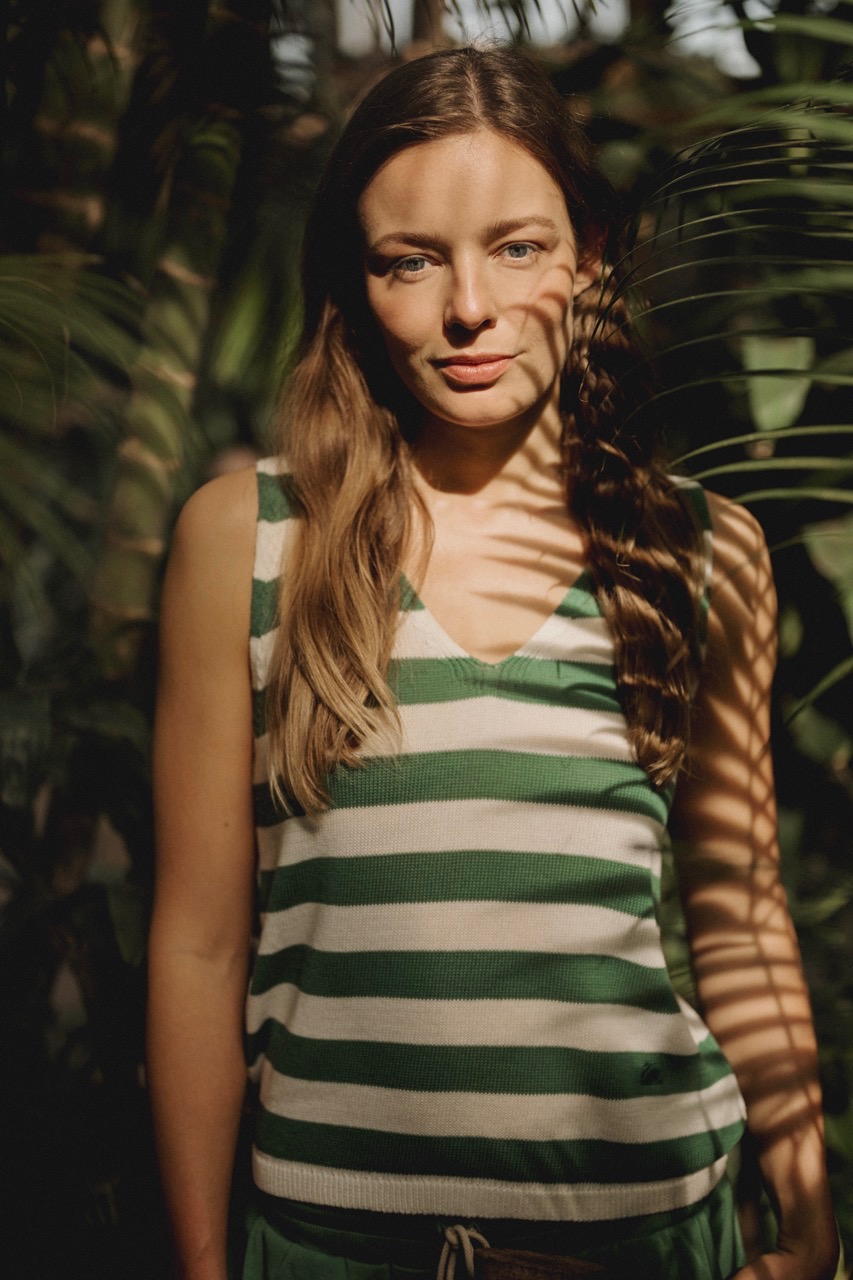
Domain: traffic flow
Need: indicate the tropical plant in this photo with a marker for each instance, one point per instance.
(134, 145)
(743, 258)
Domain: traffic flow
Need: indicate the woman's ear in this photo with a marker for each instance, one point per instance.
(588, 272)
(590, 264)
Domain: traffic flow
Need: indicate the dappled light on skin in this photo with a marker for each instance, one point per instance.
(469, 252)
(743, 946)
(497, 280)
(534, 572)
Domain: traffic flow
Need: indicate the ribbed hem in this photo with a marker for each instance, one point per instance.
(482, 1197)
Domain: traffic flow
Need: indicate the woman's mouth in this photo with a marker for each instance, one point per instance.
(473, 370)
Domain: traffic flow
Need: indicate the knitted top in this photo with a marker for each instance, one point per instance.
(459, 1003)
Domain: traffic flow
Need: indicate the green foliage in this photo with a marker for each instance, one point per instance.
(744, 267)
(66, 343)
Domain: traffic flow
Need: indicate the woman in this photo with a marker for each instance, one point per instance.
(480, 654)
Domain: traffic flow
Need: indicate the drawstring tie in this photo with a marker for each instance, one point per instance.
(455, 1239)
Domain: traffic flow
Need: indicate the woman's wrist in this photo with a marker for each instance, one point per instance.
(210, 1264)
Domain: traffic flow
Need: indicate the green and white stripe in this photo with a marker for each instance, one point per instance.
(459, 1003)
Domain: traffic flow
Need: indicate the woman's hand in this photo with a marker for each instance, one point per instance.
(796, 1263)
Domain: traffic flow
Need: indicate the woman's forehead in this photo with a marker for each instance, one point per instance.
(463, 179)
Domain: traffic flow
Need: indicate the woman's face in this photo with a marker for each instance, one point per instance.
(471, 269)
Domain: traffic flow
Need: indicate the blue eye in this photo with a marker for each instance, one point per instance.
(412, 265)
(519, 251)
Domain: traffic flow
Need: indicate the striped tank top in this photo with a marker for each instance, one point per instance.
(459, 1003)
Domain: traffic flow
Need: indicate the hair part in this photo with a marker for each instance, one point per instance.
(342, 432)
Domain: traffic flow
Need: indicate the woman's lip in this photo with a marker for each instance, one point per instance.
(473, 369)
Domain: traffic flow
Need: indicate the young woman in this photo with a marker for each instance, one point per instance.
(482, 652)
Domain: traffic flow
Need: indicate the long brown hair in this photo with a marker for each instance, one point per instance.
(349, 471)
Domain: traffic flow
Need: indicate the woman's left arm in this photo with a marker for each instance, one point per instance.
(743, 945)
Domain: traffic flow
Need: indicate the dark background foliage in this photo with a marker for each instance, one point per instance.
(157, 160)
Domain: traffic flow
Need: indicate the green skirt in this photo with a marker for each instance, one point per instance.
(289, 1240)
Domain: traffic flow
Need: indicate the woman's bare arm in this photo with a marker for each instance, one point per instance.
(200, 933)
(744, 949)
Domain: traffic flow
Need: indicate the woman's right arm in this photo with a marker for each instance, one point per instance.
(201, 924)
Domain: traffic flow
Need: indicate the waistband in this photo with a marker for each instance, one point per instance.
(365, 1235)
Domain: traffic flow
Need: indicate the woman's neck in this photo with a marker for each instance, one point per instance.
(491, 462)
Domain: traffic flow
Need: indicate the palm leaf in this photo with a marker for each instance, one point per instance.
(838, 672)
(66, 345)
(515, 13)
(760, 437)
(746, 281)
(63, 330)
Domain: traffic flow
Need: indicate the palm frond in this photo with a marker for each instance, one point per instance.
(832, 678)
(745, 281)
(64, 329)
(67, 343)
(761, 437)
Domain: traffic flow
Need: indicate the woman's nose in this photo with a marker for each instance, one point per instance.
(470, 304)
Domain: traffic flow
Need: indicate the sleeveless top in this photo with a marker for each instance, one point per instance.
(459, 1003)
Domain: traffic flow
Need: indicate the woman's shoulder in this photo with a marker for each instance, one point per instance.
(738, 538)
(213, 542)
(221, 509)
(743, 598)
(226, 510)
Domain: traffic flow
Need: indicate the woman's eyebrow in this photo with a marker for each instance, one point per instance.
(420, 239)
(493, 231)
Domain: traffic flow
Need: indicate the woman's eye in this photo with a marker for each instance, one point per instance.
(520, 251)
(411, 266)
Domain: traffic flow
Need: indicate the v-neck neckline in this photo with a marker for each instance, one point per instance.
(581, 585)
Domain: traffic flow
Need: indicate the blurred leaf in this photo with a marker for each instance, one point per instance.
(790, 630)
(63, 328)
(813, 493)
(812, 25)
(832, 677)
(67, 341)
(776, 399)
(38, 518)
(25, 734)
(816, 735)
(755, 437)
(112, 719)
(830, 548)
(816, 911)
(128, 910)
(28, 469)
(804, 464)
(839, 1134)
(800, 97)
